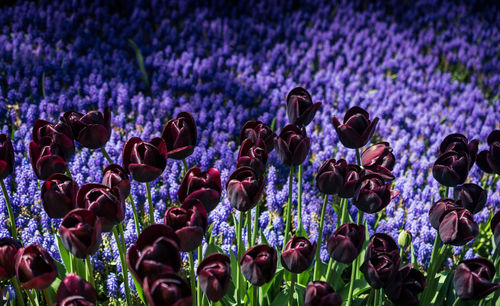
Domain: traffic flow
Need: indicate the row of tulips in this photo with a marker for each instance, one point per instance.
(155, 259)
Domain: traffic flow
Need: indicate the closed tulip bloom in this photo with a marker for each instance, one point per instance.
(438, 210)
(58, 195)
(319, 293)
(46, 158)
(115, 176)
(167, 289)
(470, 196)
(351, 178)
(381, 243)
(495, 228)
(244, 188)
(258, 264)
(254, 130)
(373, 194)
(299, 107)
(214, 276)
(74, 290)
(378, 159)
(298, 254)
(380, 268)
(472, 279)
(8, 252)
(330, 177)
(292, 145)
(145, 161)
(80, 232)
(35, 268)
(459, 143)
(6, 156)
(155, 251)
(91, 130)
(451, 168)
(345, 244)
(489, 160)
(204, 186)
(189, 223)
(406, 286)
(457, 227)
(357, 129)
(180, 136)
(253, 154)
(106, 203)
(60, 134)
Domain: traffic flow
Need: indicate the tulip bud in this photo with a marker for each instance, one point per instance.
(80, 232)
(258, 264)
(115, 176)
(405, 287)
(58, 195)
(6, 156)
(145, 161)
(8, 250)
(470, 196)
(457, 227)
(378, 159)
(472, 279)
(214, 276)
(91, 130)
(345, 244)
(244, 188)
(35, 268)
(189, 223)
(74, 290)
(155, 251)
(357, 129)
(255, 130)
(46, 158)
(167, 289)
(405, 239)
(319, 293)
(373, 194)
(495, 228)
(254, 155)
(292, 145)
(489, 161)
(203, 186)
(298, 254)
(300, 108)
(180, 136)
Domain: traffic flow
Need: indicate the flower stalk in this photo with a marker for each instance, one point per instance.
(288, 216)
(12, 220)
(320, 236)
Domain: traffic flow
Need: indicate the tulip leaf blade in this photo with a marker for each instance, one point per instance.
(444, 280)
(213, 248)
(63, 253)
(281, 299)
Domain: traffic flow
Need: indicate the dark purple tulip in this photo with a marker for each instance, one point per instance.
(254, 130)
(35, 269)
(204, 186)
(373, 194)
(380, 268)
(180, 136)
(451, 168)
(489, 161)
(189, 223)
(8, 251)
(459, 143)
(338, 177)
(406, 286)
(258, 264)
(439, 209)
(299, 107)
(167, 289)
(80, 232)
(457, 227)
(155, 251)
(319, 293)
(253, 154)
(6, 156)
(59, 195)
(145, 161)
(472, 279)
(345, 244)
(378, 159)
(357, 128)
(214, 276)
(115, 176)
(244, 188)
(106, 203)
(298, 254)
(60, 134)
(46, 158)
(74, 291)
(381, 243)
(351, 178)
(470, 196)
(495, 228)
(292, 145)
(91, 130)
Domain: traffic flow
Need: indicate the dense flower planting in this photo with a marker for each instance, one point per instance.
(138, 136)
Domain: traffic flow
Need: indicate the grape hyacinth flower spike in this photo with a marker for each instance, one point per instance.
(357, 128)
(91, 130)
(300, 108)
(58, 195)
(180, 136)
(489, 160)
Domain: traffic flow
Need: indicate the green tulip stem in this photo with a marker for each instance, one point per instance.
(358, 157)
(30, 297)
(288, 207)
(255, 224)
(198, 287)
(249, 227)
(46, 295)
(332, 266)
(343, 203)
(299, 199)
(351, 283)
(320, 234)
(239, 226)
(184, 168)
(292, 289)
(12, 220)
(191, 277)
(90, 272)
(19, 295)
(150, 201)
(123, 264)
(106, 155)
(255, 295)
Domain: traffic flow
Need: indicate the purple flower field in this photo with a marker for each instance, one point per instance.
(425, 69)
